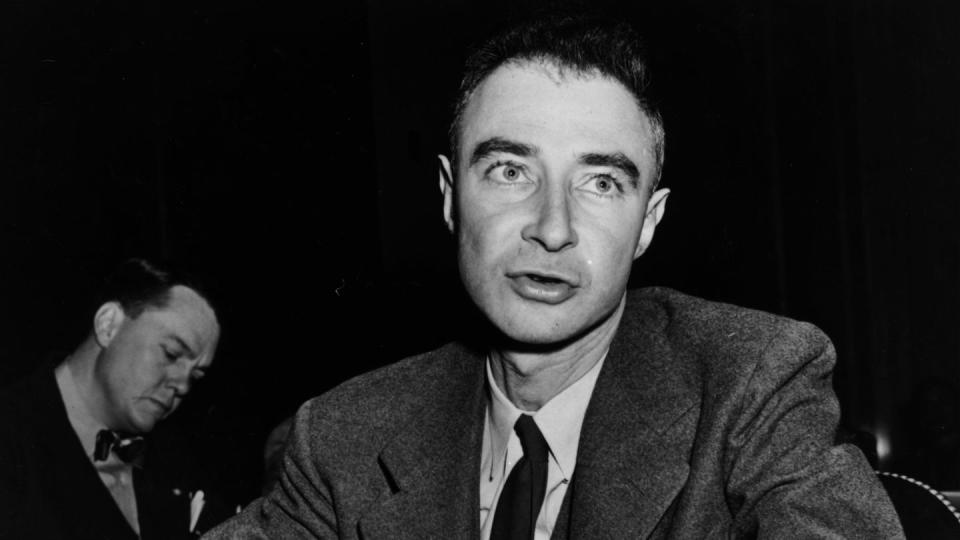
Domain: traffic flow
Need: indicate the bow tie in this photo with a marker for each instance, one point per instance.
(127, 447)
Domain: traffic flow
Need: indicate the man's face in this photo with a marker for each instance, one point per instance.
(551, 196)
(148, 364)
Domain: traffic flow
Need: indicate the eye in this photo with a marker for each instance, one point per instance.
(171, 355)
(603, 185)
(510, 173)
(506, 172)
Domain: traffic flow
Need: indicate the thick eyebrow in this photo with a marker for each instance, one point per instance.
(496, 145)
(617, 160)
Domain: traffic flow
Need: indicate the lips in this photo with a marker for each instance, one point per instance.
(164, 407)
(544, 287)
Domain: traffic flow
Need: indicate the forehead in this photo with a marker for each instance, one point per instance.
(541, 104)
(188, 317)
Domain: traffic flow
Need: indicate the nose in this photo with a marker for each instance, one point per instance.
(551, 226)
(180, 386)
(178, 379)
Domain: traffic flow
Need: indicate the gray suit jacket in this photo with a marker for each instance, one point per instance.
(707, 421)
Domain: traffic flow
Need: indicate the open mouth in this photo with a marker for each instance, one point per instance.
(544, 279)
(542, 288)
(544, 276)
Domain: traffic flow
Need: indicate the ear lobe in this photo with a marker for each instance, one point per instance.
(107, 322)
(656, 206)
(446, 188)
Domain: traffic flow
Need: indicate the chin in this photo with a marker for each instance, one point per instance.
(143, 424)
(539, 331)
(548, 327)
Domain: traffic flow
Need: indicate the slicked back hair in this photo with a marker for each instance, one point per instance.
(138, 284)
(579, 44)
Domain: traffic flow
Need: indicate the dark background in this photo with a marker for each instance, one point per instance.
(288, 150)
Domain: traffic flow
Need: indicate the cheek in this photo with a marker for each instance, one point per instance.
(119, 367)
(608, 248)
(147, 373)
(484, 237)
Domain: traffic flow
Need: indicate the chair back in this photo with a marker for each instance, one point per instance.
(924, 512)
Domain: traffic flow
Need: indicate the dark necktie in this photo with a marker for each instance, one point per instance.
(128, 448)
(522, 495)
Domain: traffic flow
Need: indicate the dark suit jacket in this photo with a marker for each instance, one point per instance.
(707, 421)
(50, 490)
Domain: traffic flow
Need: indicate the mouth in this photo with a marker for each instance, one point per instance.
(164, 407)
(543, 287)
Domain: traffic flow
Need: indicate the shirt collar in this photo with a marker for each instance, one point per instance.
(560, 419)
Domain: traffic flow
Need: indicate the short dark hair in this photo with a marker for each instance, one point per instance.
(584, 44)
(139, 284)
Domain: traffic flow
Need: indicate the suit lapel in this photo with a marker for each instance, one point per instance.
(162, 513)
(433, 463)
(631, 463)
(74, 486)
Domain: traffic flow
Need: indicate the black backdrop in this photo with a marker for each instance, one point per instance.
(288, 149)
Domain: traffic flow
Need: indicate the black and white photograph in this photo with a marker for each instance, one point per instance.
(482, 270)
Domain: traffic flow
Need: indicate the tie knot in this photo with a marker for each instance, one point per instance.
(129, 448)
(535, 447)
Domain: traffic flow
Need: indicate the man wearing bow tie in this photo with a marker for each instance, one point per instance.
(582, 410)
(72, 461)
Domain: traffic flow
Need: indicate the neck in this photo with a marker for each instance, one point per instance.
(81, 367)
(531, 378)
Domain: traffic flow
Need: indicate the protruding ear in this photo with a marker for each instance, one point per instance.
(446, 187)
(656, 206)
(107, 322)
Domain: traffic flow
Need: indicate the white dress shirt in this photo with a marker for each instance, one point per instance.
(560, 420)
